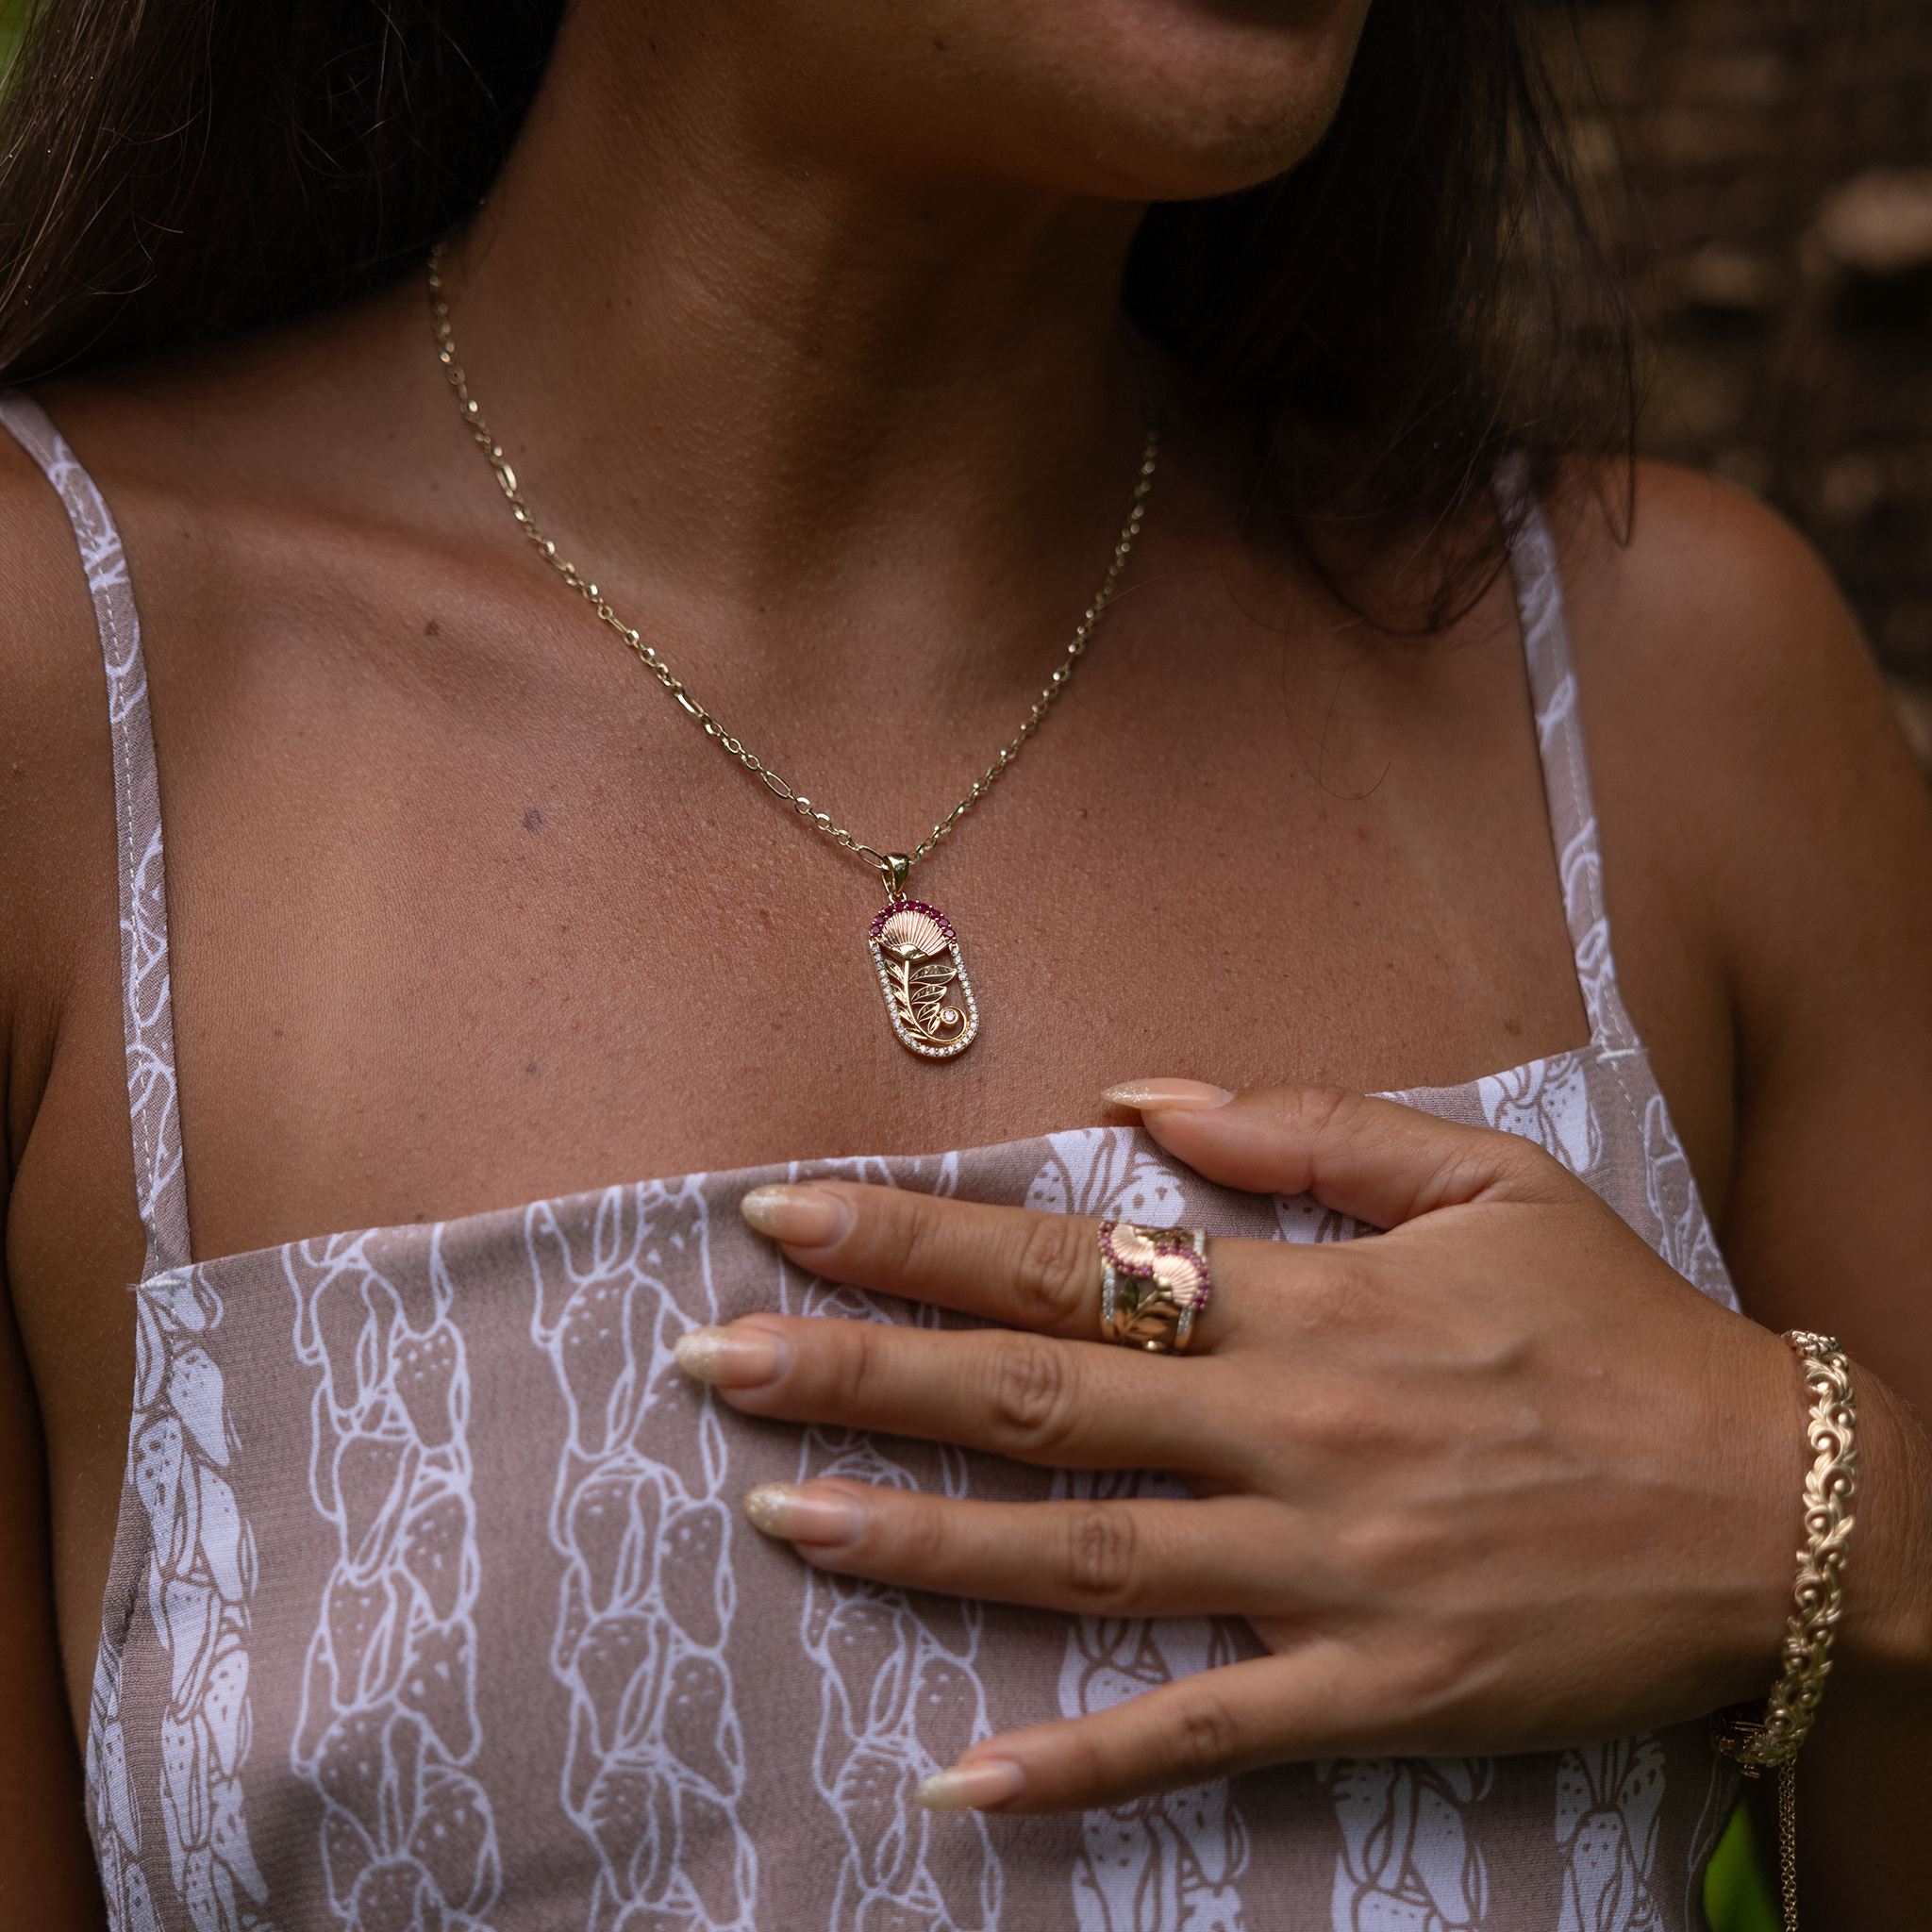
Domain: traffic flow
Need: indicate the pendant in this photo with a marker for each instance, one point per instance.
(918, 959)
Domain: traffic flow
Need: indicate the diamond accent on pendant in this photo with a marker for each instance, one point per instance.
(916, 955)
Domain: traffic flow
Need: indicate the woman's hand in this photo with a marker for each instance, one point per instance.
(1498, 1479)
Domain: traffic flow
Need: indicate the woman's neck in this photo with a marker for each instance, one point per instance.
(762, 370)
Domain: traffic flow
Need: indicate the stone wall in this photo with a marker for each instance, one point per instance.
(1779, 153)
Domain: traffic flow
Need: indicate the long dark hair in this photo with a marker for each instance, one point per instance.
(1420, 297)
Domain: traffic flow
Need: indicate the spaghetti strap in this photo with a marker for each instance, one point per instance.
(1566, 775)
(159, 1181)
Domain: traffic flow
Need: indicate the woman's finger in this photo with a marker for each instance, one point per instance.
(1011, 1393)
(1120, 1557)
(1012, 1265)
(1322, 1700)
(1376, 1160)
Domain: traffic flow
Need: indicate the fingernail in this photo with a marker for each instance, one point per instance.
(800, 1216)
(794, 1515)
(731, 1358)
(1167, 1096)
(973, 1787)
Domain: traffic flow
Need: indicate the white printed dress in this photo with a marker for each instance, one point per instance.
(432, 1608)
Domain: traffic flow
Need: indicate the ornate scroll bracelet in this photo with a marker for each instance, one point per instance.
(1830, 1489)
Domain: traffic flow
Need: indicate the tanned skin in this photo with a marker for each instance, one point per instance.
(801, 331)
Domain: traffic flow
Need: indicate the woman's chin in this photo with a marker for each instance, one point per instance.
(1147, 100)
(1173, 100)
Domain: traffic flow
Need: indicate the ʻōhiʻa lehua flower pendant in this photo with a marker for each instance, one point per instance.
(928, 999)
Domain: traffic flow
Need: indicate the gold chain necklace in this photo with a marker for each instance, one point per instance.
(915, 949)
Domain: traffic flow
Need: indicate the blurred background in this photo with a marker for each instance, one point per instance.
(1779, 237)
(1779, 242)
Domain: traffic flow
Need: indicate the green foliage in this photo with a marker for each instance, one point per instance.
(10, 15)
(1738, 1895)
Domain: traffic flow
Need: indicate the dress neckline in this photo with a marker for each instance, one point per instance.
(146, 994)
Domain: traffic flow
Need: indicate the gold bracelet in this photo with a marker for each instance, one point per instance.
(1830, 1489)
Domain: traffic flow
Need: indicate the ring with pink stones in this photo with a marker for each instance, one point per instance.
(1153, 1282)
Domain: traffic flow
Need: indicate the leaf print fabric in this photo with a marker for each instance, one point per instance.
(200, 1581)
(1684, 1236)
(112, 1805)
(1409, 1856)
(1547, 1102)
(388, 1724)
(899, 1698)
(653, 1772)
(1608, 1799)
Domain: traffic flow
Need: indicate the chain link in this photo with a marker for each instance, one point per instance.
(1831, 1488)
(1787, 1840)
(647, 655)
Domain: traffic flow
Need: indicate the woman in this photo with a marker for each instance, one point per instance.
(412, 1590)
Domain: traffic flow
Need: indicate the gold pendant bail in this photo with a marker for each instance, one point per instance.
(892, 870)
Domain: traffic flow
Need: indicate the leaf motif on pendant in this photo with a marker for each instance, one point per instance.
(916, 955)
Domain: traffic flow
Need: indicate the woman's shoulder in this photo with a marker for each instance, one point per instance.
(52, 699)
(88, 463)
(44, 595)
(1722, 672)
(1667, 568)
(1757, 798)
(192, 442)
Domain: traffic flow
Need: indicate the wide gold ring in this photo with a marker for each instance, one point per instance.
(1153, 1282)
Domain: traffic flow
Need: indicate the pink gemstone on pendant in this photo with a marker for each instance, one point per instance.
(918, 955)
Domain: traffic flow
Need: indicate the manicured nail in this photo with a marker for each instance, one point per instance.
(973, 1787)
(1167, 1096)
(732, 1357)
(795, 1515)
(800, 1216)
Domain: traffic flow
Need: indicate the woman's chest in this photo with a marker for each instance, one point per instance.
(426, 972)
(463, 909)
